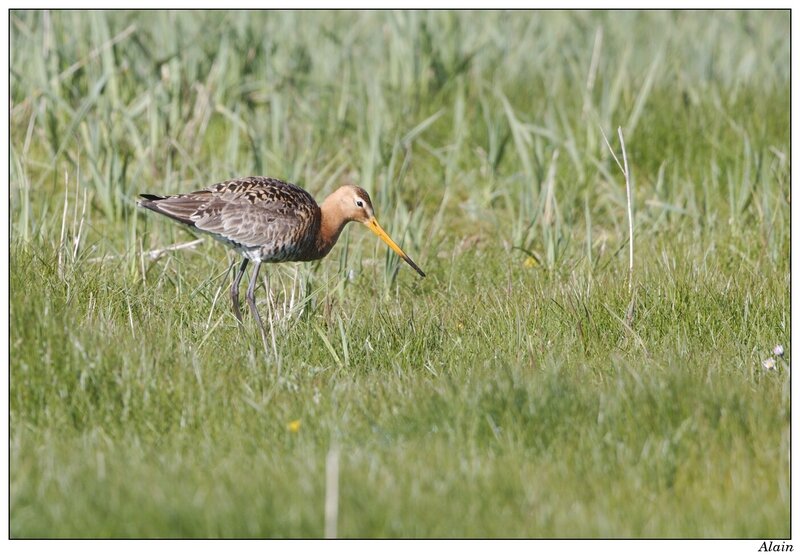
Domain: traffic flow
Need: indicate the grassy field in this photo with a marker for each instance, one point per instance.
(523, 389)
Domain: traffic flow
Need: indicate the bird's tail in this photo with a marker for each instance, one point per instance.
(177, 207)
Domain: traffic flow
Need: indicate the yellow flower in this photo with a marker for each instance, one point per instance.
(293, 426)
(530, 263)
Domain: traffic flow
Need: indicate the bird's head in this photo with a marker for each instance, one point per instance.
(354, 204)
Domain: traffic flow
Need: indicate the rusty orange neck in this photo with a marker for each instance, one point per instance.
(332, 222)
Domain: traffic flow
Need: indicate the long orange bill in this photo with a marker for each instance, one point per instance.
(373, 225)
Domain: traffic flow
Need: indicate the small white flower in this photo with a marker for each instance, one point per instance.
(769, 363)
(778, 350)
(351, 275)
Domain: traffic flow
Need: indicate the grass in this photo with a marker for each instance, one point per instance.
(508, 394)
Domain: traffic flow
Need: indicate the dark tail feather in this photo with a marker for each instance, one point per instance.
(151, 197)
(175, 207)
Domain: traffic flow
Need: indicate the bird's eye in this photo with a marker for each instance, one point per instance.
(359, 203)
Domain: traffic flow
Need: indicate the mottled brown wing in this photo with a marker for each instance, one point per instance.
(278, 230)
(264, 217)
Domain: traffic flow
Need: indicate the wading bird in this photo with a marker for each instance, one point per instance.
(267, 221)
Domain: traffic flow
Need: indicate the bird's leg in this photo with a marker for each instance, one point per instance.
(235, 290)
(251, 298)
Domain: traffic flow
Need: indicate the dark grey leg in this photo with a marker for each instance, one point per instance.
(251, 297)
(235, 290)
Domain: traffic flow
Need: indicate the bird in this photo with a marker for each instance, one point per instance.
(268, 220)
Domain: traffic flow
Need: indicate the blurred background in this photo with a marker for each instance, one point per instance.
(528, 387)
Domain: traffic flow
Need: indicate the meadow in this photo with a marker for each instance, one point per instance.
(529, 386)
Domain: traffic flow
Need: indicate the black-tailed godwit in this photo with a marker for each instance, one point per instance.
(268, 220)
